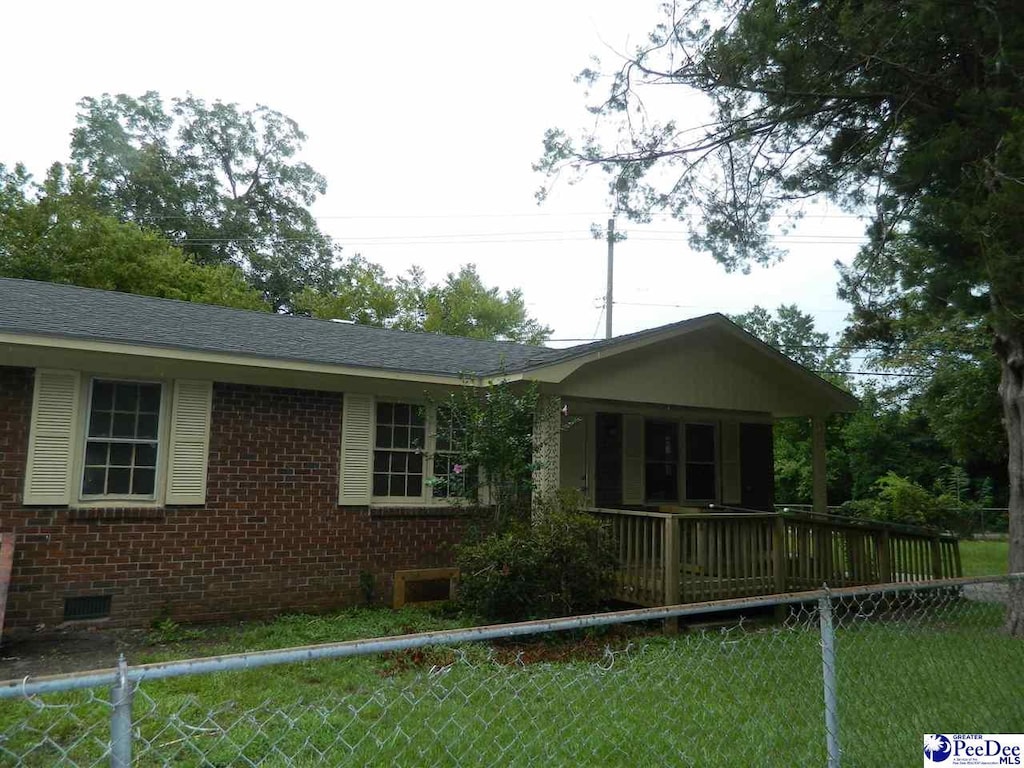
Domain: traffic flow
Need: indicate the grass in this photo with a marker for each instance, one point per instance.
(736, 697)
(984, 558)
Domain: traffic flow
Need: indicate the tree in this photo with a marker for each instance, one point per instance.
(54, 233)
(910, 109)
(464, 306)
(460, 306)
(792, 332)
(220, 182)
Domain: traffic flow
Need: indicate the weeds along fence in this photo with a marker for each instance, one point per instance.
(849, 677)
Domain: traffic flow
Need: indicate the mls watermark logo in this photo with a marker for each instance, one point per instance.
(973, 749)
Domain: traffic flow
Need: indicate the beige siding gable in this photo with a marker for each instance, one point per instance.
(189, 444)
(52, 437)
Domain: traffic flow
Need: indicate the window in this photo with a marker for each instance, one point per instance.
(451, 478)
(399, 443)
(700, 462)
(122, 439)
(661, 460)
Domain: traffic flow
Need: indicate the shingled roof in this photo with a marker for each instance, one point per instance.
(67, 311)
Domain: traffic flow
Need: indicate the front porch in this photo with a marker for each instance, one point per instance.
(690, 555)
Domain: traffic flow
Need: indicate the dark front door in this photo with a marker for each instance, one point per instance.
(608, 454)
(757, 466)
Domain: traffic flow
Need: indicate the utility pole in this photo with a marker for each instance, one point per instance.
(611, 271)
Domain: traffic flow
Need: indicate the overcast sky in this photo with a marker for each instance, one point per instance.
(425, 118)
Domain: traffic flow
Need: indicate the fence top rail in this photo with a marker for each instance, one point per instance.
(685, 514)
(812, 518)
(243, 661)
(631, 513)
(927, 532)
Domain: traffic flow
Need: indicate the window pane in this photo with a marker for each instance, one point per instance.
(385, 413)
(92, 482)
(418, 418)
(417, 437)
(443, 443)
(121, 454)
(383, 437)
(700, 482)
(380, 461)
(380, 484)
(399, 462)
(119, 481)
(103, 395)
(662, 482)
(416, 463)
(660, 441)
(402, 413)
(396, 485)
(401, 437)
(99, 425)
(95, 453)
(700, 442)
(147, 426)
(124, 425)
(149, 398)
(145, 455)
(415, 487)
(143, 481)
(126, 397)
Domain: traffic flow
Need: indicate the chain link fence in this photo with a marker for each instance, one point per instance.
(851, 677)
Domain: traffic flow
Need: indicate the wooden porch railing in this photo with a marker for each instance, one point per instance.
(668, 558)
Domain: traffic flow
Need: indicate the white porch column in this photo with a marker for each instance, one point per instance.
(547, 438)
(820, 479)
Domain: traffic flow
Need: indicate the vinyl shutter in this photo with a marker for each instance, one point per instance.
(354, 481)
(632, 459)
(189, 443)
(732, 489)
(52, 435)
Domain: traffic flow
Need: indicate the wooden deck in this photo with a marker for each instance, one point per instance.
(667, 558)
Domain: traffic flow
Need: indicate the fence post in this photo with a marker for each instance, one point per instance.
(672, 573)
(828, 674)
(936, 557)
(121, 718)
(885, 571)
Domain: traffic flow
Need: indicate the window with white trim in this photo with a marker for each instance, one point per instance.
(399, 445)
(122, 439)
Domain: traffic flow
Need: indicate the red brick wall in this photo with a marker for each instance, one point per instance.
(270, 538)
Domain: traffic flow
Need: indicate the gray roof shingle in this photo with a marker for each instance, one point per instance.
(68, 311)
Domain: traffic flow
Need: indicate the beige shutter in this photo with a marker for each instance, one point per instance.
(732, 490)
(189, 444)
(52, 437)
(632, 459)
(355, 477)
(573, 464)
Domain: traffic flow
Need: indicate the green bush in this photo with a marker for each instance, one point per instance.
(560, 564)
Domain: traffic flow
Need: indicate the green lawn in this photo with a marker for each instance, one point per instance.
(739, 697)
(984, 558)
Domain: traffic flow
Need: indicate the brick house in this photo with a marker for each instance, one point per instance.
(161, 458)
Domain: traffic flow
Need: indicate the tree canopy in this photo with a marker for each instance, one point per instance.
(909, 110)
(208, 202)
(220, 182)
(53, 232)
(460, 306)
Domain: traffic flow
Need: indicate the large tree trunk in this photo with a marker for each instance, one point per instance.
(1011, 389)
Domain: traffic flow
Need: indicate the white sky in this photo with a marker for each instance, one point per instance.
(425, 119)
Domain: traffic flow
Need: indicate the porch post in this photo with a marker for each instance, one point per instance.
(547, 439)
(820, 479)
